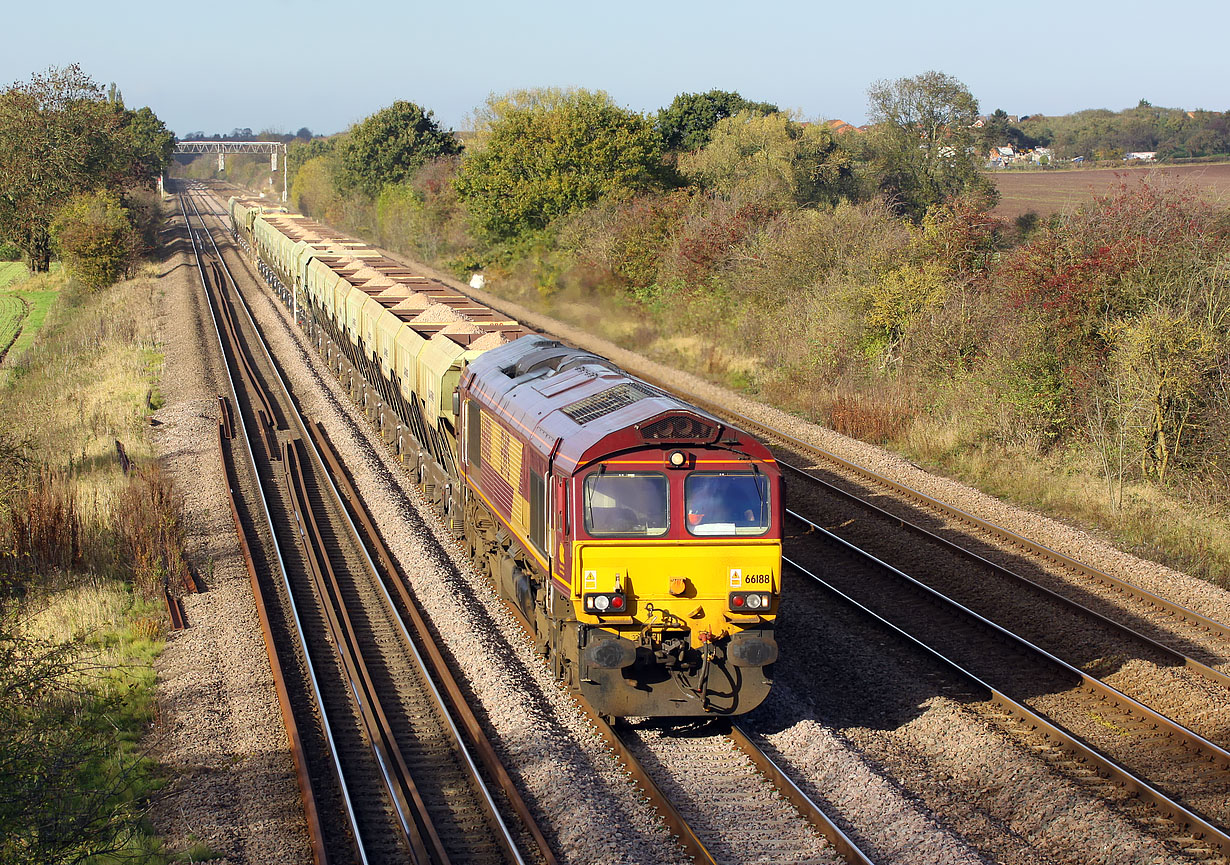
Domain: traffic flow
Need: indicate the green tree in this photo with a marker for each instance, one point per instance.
(59, 136)
(996, 131)
(896, 302)
(922, 144)
(772, 158)
(95, 239)
(299, 153)
(687, 122)
(391, 145)
(543, 154)
(150, 145)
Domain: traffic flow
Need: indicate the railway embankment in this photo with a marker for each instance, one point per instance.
(91, 529)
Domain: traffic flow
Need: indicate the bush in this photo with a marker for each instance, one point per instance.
(95, 239)
(546, 154)
(9, 252)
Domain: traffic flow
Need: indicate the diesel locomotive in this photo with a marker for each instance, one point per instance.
(638, 536)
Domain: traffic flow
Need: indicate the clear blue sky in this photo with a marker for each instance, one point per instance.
(215, 66)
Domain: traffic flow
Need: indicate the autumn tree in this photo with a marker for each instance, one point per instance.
(772, 158)
(922, 145)
(1160, 363)
(543, 154)
(95, 239)
(60, 136)
(389, 146)
(687, 123)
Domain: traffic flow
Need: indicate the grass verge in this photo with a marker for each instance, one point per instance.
(1144, 520)
(89, 546)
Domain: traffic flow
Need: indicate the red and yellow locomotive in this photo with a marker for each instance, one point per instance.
(640, 536)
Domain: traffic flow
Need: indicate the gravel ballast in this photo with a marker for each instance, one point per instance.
(220, 733)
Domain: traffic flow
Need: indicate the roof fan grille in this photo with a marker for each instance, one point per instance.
(606, 401)
(678, 428)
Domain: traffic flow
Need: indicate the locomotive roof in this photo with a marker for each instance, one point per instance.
(561, 397)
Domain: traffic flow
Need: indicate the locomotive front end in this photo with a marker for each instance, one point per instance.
(639, 536)
(676, 576)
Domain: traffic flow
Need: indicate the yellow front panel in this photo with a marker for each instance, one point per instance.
(711, 570)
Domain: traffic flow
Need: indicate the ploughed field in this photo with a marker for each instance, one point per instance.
(1048, 192)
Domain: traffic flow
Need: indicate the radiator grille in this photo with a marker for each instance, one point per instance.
(606, 401)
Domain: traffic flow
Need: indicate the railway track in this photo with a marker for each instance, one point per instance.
(1186, 777)
(384, 765)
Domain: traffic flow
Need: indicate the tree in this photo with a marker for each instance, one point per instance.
(543, 154)
(995, 132)
(95, 239)
(687, 122)
(922, 143)
(150, 144)
(59, 136)
(1160, 362)
(772, 158)
(391, 145)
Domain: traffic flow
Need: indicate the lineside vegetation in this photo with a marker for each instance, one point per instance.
(1076, 364)
(88, 541)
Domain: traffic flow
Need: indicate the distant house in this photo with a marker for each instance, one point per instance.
(1141, 156)
(1042, 155)
(1006, 153)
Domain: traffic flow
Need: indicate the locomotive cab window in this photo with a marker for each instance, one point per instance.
(626, 504)
(722, 503)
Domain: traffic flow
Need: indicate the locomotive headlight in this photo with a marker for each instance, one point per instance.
(606, 603)
(741, 601)
(677, 459)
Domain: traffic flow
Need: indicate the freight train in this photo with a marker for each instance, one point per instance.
(638, 536)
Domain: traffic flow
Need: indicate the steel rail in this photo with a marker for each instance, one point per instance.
(243, 431)
(506, 836)
(1204, 747)
(411, 811)
(1201, 669)
(320, 854)
(675, 822)
(1166, 805)
(804, 804)
(392, 573)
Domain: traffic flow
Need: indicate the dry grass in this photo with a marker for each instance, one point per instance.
(1150, 522)
(87, 383)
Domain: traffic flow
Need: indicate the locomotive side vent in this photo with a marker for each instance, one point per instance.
(679, 427)
(606, 401)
